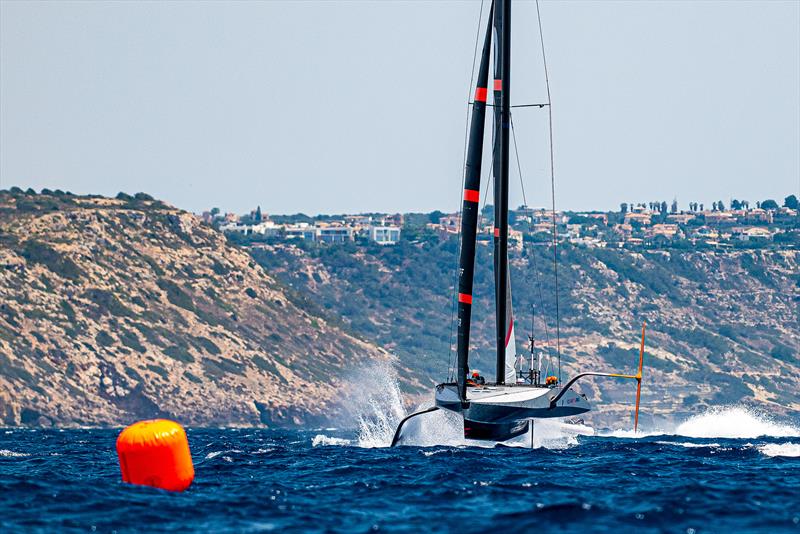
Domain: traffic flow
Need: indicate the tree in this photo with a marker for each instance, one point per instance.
(434, 216)
(720, 205)
(664, 207)
(487, 213)
(714, 206)
(736, 205)
(623, 208)
(214, 211)
(702, 207)
(769, 204)
(674, 207)
(258, 214)
(791, 202)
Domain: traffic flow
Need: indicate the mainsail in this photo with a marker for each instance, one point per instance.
(511, 341)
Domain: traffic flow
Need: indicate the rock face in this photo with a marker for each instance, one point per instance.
(112, 310)
(723, 326)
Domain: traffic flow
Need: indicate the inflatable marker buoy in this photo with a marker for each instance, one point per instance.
(155, 453)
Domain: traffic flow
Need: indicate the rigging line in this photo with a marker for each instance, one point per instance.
(532, 251)
(552, 186)
(453, 307)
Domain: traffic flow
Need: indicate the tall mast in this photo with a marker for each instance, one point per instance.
(502, 84)
(469, 212)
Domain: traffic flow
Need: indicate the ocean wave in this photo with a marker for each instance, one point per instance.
(724, 422)
(12, 454)
(689, 445)
(790, 450)
(214, 454)
(734, 422)
(632, 434)
(321, 440)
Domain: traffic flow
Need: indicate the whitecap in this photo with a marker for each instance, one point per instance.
(790, 450)
(323, 440)
(214, 454)
(730, 422)
(689, 445)
(734, 422)
(12, 454)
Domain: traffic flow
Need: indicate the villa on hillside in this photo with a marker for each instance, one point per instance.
(641, 218)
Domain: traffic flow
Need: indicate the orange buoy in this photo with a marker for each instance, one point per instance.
(155, 453)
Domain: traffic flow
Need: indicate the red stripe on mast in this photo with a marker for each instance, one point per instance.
(498, 85)
(471, 195)
(480, 94)
(464, 298)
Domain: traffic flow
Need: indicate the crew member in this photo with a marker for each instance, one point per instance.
(476, 379)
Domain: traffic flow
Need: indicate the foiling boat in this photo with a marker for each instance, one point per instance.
(507, 407)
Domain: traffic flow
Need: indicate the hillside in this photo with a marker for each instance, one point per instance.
(723, 327)
(116, 309)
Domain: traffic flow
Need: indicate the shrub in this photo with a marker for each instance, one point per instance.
(208, 345)
(104, 339)
(38, 252)
(179, 353)
(176, 295)
(107, 302)
(783, 353)
(131, 340)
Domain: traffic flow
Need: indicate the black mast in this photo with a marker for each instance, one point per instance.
(502, 85)
(469, 213)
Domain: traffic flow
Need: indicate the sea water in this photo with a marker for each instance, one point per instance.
(729, 470)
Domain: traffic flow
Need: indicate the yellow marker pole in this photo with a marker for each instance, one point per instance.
(639, 382)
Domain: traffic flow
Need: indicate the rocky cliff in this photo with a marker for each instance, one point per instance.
(116, 309)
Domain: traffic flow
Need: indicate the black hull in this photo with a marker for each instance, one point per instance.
(494, 432)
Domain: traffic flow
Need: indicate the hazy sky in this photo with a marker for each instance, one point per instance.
(360, 106)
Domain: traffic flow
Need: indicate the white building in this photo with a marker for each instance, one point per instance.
(300, 231)
(335, 234)
(384, 235)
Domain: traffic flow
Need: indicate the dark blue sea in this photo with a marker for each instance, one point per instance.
(250, 480)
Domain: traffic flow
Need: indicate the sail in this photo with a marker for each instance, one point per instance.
(469, 213)
(511, 341)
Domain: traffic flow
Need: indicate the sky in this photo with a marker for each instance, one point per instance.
(345, 107)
